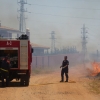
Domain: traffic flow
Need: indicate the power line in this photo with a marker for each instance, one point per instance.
(66, 16)
(65, 23)
(64, 7)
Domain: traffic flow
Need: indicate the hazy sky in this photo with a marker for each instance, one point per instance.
(65, 17)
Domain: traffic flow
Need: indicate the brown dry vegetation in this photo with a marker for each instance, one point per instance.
(95, 86)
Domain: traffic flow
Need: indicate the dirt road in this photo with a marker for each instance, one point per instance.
(48, 87)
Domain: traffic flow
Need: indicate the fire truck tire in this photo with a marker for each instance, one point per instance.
(24, 80)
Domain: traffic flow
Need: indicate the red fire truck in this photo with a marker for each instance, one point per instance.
(20, 56)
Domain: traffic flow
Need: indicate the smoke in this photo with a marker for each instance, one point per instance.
(67, 29)
(8, 13)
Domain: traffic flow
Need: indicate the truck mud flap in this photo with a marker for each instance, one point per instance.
(24, 80)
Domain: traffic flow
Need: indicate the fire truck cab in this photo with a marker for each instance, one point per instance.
(19, 52)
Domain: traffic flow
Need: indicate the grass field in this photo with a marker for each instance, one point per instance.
(95, 86)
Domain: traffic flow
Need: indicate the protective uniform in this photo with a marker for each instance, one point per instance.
(5, 72)
(64, 66)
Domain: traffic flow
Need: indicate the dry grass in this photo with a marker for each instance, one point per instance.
(95, 86)
(44, 70)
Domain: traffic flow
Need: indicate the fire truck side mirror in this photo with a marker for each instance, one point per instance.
(32, 50)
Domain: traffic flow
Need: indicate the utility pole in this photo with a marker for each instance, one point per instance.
(52, 41)
(22, 26)
(84, 42)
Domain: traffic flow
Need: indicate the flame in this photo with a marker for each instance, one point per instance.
(96, 68)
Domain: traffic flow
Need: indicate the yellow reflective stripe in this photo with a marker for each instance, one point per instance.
(4, 70)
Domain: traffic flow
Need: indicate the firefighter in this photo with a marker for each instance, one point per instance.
(0, 68)
(64, 70)
(5, 71)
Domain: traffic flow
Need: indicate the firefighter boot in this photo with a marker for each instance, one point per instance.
(66, 74)
(66, 80)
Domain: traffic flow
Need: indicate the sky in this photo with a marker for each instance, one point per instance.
(65, 17)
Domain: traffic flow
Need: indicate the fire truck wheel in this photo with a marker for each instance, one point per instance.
(24, 80)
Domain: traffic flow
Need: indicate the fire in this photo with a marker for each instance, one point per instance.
(96, 68)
